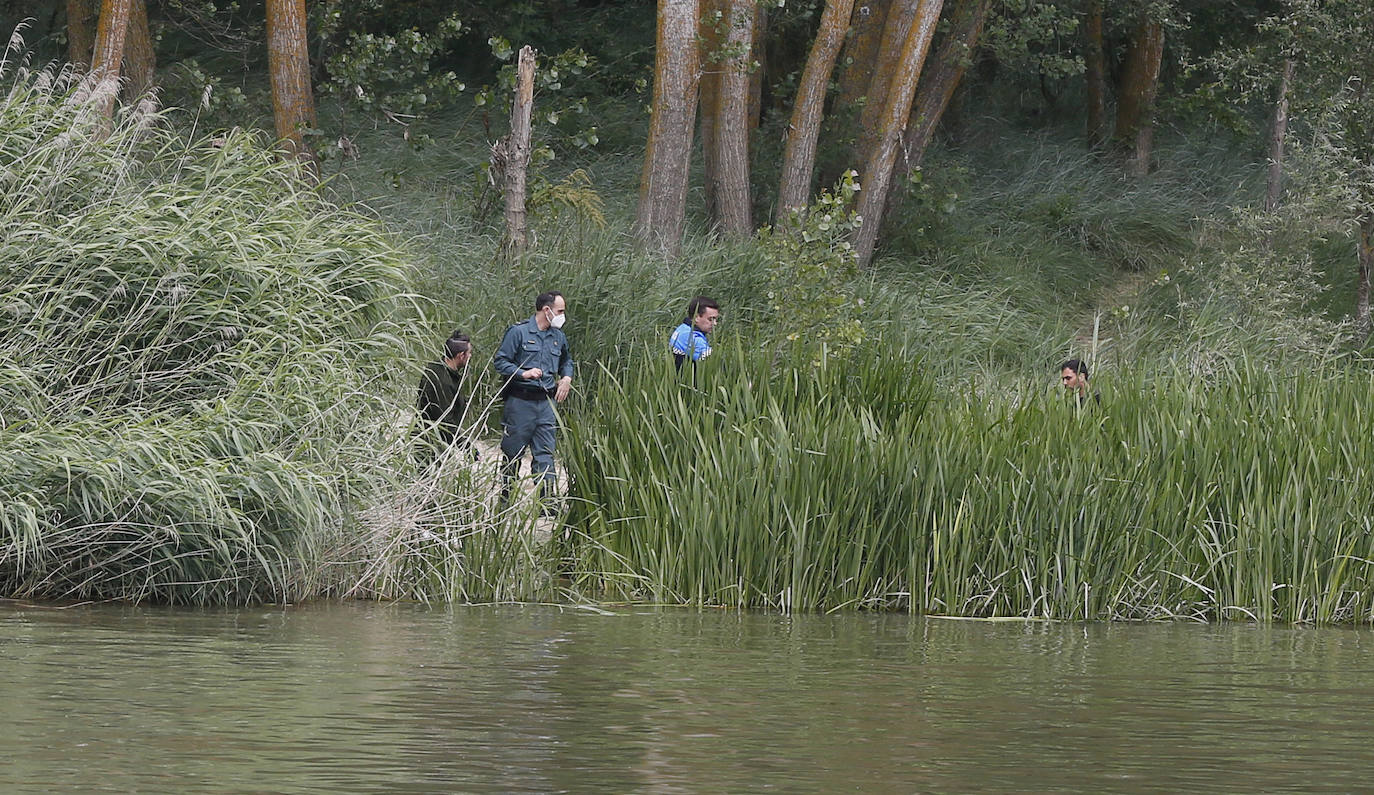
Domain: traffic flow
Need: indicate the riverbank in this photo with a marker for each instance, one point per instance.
(208, 398)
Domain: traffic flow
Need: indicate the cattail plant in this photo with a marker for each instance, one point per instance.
(1243, 496)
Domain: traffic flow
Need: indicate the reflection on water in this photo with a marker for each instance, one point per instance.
(388, 698)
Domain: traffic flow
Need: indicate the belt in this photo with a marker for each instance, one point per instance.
(530, 394)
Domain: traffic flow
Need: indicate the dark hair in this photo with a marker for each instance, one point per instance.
(700, 304)
(1077, 365)
(546, 299)
(456, 344)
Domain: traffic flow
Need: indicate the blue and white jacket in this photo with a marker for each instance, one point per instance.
(688, 341)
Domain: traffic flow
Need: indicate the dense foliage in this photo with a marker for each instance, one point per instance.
(209, 367)
(193, 348)
(856, 485)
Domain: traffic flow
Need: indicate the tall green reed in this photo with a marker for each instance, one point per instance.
(860, 484)
(200, 356)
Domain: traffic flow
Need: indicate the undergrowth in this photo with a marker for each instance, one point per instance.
(209, 371)
(853, 485)
(198, 357)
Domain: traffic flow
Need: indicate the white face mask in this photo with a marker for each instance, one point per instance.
(557, 321)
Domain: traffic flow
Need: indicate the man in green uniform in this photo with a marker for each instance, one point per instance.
(441, 404)
(536, 368)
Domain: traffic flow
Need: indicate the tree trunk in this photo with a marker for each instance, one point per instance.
(511, 155)
(1277, 134)
(731, 178)
(708, 103)
(940, 81)
(81, 23)
(758, 56)
(667, 154)
(1362, 321)
(877, 173)
(799, 156)
(857, 63)
(900, 17)
(1138, 165)
(1095, 74)
(1139, 86)
(109, 52)
(936, 90)
(140, 62)
(293, 102)
(860, 55)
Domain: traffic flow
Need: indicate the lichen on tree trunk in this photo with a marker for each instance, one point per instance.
(708, 106)
(82, 16)
(942, 77)
(860, 53)
(109, 53)
(885, 76)
(1139, 86)
(662, 206)
(759, 56)
(803, 131)
(140, 62)
(731, 176)
(293, 100)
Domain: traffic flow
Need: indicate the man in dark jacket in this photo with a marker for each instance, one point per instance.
(1073, 374)
(441, 403)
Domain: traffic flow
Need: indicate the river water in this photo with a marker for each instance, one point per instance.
(357, 697)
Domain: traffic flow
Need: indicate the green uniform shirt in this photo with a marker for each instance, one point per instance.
(524, 347)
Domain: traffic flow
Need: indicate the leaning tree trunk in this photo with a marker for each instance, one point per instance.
(858, 62)
(799, 156)
(140, 62)
(731, 177)
(1095, 74)
(877, 173)
(667, 154)
(510, 156)
(936, 90)
(109, 52)
(81, 23)
(293, 101)
(1277, 134)
(1139, 86)
(1366, 252)
(942, 78)
(872, 117)
(861, 51)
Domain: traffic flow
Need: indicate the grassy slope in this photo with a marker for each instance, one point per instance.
(1000, 259)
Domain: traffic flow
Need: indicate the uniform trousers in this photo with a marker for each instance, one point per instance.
(529, 422)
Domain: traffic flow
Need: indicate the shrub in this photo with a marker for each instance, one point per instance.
(199, 357)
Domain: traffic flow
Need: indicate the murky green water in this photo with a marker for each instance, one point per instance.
(355, 697)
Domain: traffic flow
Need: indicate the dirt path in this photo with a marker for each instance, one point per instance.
(1125, 291)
